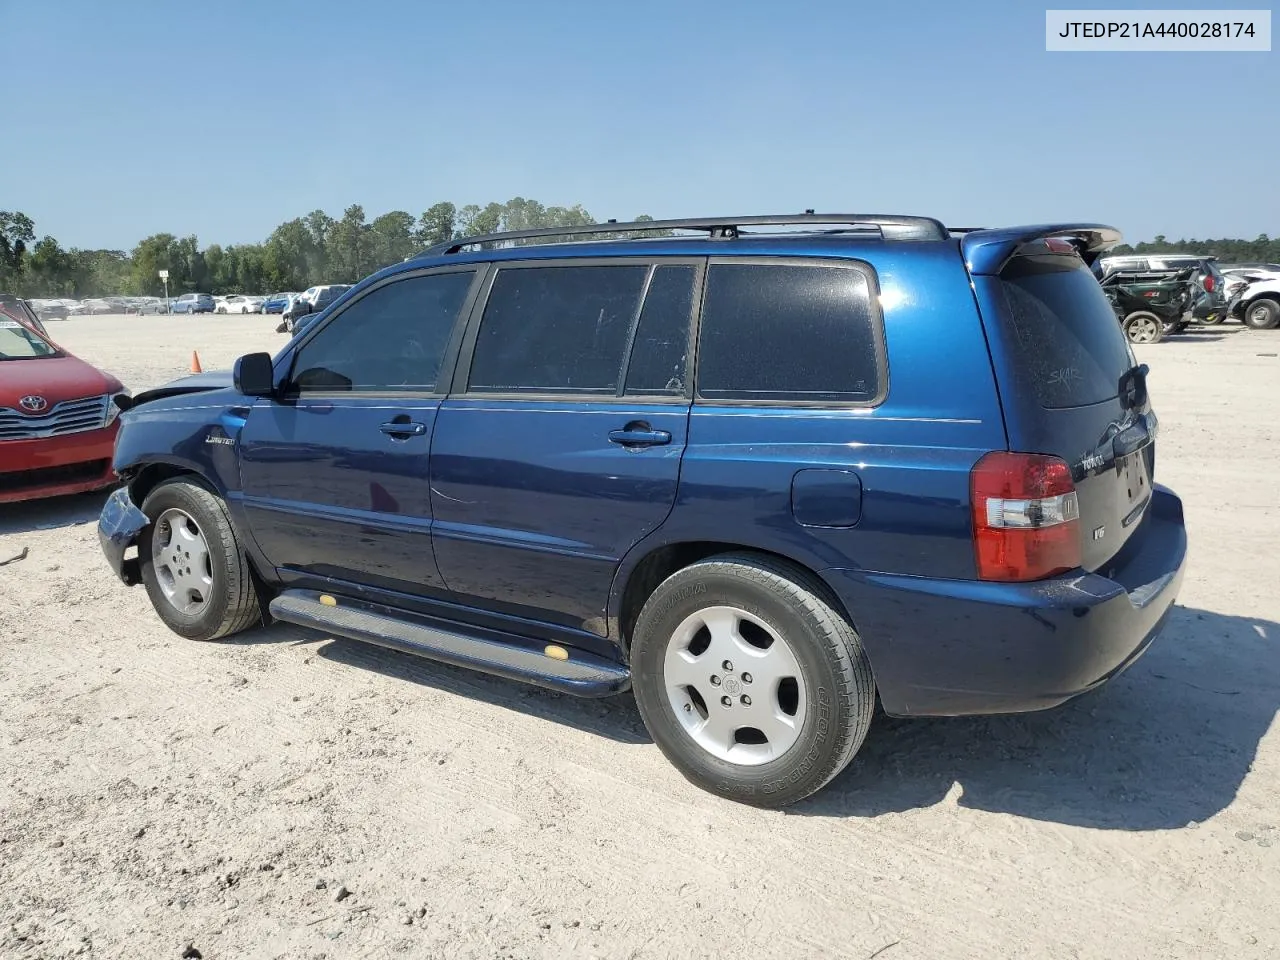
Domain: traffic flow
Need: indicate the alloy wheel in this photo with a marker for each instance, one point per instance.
(184, 568)
(735, 686)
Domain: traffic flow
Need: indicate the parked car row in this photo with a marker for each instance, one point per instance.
(1157, 294)
(61, 309)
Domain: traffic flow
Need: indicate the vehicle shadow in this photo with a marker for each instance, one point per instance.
(614, 718)
(1187, 336)
(68, 511)
(1165, 744)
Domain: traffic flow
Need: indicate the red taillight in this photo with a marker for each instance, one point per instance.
(1026, 518)
(1209, 283)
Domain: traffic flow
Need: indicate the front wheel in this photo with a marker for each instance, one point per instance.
(750, 682)
(192, 565)
(1143, 327)
(1262, 314)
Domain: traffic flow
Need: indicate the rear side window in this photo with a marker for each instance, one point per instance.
(557, 329)
(660, 354)
(1064, 330)
(790, 332)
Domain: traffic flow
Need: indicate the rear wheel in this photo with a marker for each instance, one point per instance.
(749, 681)
(1143, 327)
(192, 565)
(1262, 314)
(1212, 318)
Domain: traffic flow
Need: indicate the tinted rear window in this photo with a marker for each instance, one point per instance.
(789, 332)
(1064, 330)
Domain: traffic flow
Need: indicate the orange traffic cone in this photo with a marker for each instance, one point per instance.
(195, 363)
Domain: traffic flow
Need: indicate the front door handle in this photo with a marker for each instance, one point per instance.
(403, 428)
(639, 434)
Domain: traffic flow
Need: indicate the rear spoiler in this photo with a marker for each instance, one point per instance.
(987, 251)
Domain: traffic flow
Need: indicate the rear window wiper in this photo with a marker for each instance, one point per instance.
(1133, 387)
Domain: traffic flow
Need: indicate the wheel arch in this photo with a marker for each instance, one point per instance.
(648, 565)
(1272, 295)
(144, 478)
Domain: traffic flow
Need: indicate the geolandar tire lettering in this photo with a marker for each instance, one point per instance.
(690, 690)
(231, 603)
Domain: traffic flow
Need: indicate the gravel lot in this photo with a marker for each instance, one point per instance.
(157, 793)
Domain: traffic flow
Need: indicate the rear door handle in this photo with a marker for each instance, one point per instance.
(639, 435)
(403, 429)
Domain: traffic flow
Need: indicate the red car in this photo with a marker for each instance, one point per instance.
(57, 413)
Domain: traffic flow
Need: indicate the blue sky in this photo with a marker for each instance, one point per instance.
(218, 119)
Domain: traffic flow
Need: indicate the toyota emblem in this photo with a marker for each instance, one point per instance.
(33, 403)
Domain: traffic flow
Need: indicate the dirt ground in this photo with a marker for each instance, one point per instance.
(157, 794)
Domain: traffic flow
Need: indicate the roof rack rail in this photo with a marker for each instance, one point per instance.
(717, 228)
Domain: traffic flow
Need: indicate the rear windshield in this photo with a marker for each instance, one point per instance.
(1066, 334)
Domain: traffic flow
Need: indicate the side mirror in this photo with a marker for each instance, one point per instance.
(254, 375)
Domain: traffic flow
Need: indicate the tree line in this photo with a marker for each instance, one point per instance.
(318, 248)
(303, 252)
(1261, 250)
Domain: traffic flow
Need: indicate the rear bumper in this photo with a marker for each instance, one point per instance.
(958, 647)
(118, 528)
(1208, 306)
(55, 466)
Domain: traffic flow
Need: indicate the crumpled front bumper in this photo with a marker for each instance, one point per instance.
(118, 528)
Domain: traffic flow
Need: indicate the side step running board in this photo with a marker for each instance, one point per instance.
(503, 655)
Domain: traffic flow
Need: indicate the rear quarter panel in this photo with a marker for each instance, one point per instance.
(912, 453)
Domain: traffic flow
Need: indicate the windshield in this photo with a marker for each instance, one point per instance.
(19, 343)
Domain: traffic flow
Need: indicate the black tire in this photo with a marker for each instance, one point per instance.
(232, 604)
(1143, 327)
(1212, 318)
(1262, 314)
(839, 688)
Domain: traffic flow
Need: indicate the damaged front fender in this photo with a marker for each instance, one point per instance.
(118, 530)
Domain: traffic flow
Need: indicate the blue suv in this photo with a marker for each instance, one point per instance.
(764, 471)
